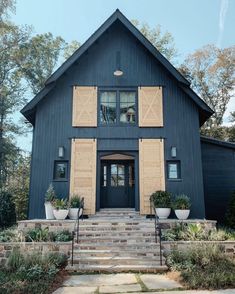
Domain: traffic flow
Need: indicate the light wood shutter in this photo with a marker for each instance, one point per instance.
(83, 172)
(151, 170)
(84, 106)
(150, 107)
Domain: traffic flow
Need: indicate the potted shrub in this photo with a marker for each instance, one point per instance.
(49, 198)
(74, 205)
(162, 203)
(181, 206)
(60, 209)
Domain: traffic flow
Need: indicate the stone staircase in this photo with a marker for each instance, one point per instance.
(117, 240)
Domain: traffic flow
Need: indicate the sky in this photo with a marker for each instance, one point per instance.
(193, 23)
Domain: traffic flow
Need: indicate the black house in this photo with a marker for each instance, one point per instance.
(115, 123)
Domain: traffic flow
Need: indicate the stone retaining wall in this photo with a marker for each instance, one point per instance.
(27, 247)
(229, 246)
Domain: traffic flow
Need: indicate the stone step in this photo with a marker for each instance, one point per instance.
(117, 268)
(116, 260)
(116, 240)
(104, 234)
(117, 247)
(111, 253)
(115, 222)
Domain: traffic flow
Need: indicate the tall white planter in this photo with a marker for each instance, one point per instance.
(182, 213)
(73, 213)
(60, 214)
(163, 213)
(49, 210)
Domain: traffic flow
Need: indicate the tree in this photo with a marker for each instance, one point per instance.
(38, 58)
(164, 42)
(70, 49)
(5, 7)
(211, 72)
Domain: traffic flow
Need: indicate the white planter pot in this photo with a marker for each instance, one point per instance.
(163, 213)
(60, 213)
(182, 213)
(73, 213)
(49, 210)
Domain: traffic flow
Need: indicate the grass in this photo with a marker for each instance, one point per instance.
(203, 267)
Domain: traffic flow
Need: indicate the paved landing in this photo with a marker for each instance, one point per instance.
(116, 283)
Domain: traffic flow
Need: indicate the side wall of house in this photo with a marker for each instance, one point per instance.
(218, 165)
(53, 126)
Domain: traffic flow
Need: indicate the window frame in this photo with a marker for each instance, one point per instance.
(178, 165)
(66, 171)
(117, 90)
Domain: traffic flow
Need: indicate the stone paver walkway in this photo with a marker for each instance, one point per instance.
(127, 283)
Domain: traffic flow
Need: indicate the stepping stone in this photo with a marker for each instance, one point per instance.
(100, 280)
(155, 282)
(75, 290)
(119, 289)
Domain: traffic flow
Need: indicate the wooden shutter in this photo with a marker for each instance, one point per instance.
(151, 170)
(83, 172)
(150, 107)
(84, 106)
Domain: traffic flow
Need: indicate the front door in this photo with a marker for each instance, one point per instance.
(117, 184)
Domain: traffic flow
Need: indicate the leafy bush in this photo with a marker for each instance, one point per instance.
(43, 235)
(60, 204)
(15, 260)
(75, 201)
(8, 235)
(50, 194)
(195, 232)
(182, 202)
(204, 266)
(161, 199)
(230, 215)
(7, 210)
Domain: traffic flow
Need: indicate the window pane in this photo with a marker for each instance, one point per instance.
(104, 176)
(173, 171)
(60, 170)
(108, 107)
(127, 107)
(117, 175)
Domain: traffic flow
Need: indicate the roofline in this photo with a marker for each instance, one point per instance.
(218, 142)
(117, 15)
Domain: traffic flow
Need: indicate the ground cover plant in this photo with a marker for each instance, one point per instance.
(196, 232)
(32, 273)
(204, 266)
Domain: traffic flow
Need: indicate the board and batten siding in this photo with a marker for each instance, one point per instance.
(83, 172)
(150, 107)
(84, 106)
(151, 170)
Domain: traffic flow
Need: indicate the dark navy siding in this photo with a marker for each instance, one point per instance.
(53, 125)
(218, 164)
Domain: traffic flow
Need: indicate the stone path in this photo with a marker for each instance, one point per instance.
(127, 283)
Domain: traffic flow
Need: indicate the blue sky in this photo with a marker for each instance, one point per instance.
(193, 23)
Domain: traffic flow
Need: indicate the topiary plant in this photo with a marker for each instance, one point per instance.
(75, 201)
(161, 199)
(182, 202)
(230, 215)
(50, 194)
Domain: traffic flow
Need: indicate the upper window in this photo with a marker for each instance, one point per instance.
(61, 170)
(173, 170)
(117, 107)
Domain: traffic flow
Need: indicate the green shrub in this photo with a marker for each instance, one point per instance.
(230, 215)
(8, 235)
(204, 266)
(60, 204)
(7, 210)
(15, 260)
(59, 260)
(161, 199)
(63, 236)
(182, 202)
(75, 201)
(38, 235)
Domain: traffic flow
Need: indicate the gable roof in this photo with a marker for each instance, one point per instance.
(29, 110)
(217, 142)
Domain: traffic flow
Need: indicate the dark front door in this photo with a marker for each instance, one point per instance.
(117, 184)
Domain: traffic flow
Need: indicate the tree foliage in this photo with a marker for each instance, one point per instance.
(211, 72)
(38, 57)
(164, 42)
(70, 49)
